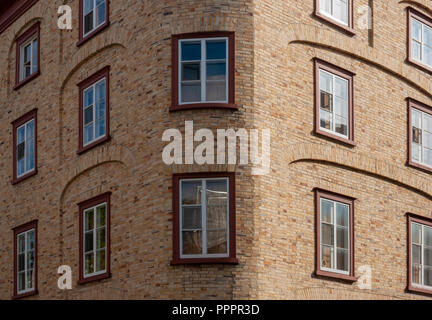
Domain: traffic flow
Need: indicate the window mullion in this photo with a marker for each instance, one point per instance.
(422, 256)
(204, 71)
(94, 239)
(25, 260)
(334, 237)
(94, 111)
(333, 103)
(25, 148)
(204, 216)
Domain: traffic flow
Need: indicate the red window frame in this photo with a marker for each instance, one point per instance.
(16, 231)
(32, 115)
(349, 29)
(103, 73)
(34, 29)
(175, 105)
(412, 13)
(320, 193)
(83, 39)
(105, 197)
(231, 259)
(347, 75)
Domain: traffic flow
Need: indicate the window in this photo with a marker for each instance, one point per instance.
(25, 260)
(94, 238)
(27, 56)
(94, 17)
(94, 110)
(203, 70)
(419, 253)
(334, 102)
(420, 135)
(420, 39)
(204, 223)
(24, 147)
(337, 12)
(335, 235)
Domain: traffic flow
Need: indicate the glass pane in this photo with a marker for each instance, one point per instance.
(30, 240)
(21, 166)
(88, 241)
(101, 216)
(30, 130)
(341, 125)
(427, 236)
(428, 157)
(216, 91)
(416, 50)
(416, 254)
(88, 6)
(21, 281)
(27, 53)
(191, 192)
(416, 273)
(21, 262)
(88, 22)
(29, 279)
(341, 10)
(30, 163)
(88, 97)
(30, 260)
(326, 257)
(89, 133)
(427, 36)
(100, 90)
(341, 88)
(192, 218)
(416, 233)
(191, 71)
(326, 82)
(427, 122)
(89, 220)
(428, 55)
(217, 209)
(192, 242)
(342, 259)
(428, 257)
(325, 120)
(100, 261)
(417, 135)
(88, 115)
(326, 211)
(341, 107)
(427, 276)
(416, 29)
(327, 236)
(21, 135)
(21, 151)
(217, 242)
(416, 152)
(326, 101)
(342, 214)
(89, 263)
(100, 128)
(191, 92)
(34, 56)
(191, 51)
(21, 243)
(342, 238)
(416, 117)
(216, 49)
(100, 238)
(100, 11)
(325, 6)
(216, 70)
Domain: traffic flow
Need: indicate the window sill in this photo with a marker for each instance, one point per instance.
(232, 261)
(92, 34)
(419, 166)
(419, 65)
(25, 295)
(413, 289)
(26, 80)
(349, 30)
(348, 142)
(24, 177)
(99, 277)
(334, 275)
(93, 145)
(192, 106)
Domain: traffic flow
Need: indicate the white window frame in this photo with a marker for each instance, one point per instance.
(94, 17)
(421, 42)
(203, 70)
(26, 269)
(334, 255)
(94, 251)
(29, 42)
(333, 131)
(93, 86)
(422, 146)
(203, 218)
(331, 16)
(26, 170)
(422, 265)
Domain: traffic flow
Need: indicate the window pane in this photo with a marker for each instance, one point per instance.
(100, 261)
(21, 151)
(416, 254)
(326, 82)
(216, 91)
(416, 273)
(21, 166)
(427, 276)
(21, 135)
(325, 6)
(88, 241)
(427, 236)
(89, 263)
(427, 36)
(326, 101)
(30, 260)
(100, 128)
(191, 192)
(89, 220)
(325, 120)
(101, 216)
(89, 133)
(428, 55)
(27, 53)
(342, 238)
(88, 97)
(326, 211)
(191, 92)
(21, 243)
(341, 10)
(88, 6)
(34, 56)
(326, 257)
(191, 51)
(216, 70)
(192, 218)
(100, 90)
(416, 30)
(29, 279)
(192, 242)
(416, 233)
(216, 49)
(30, 240)
(428, 257)
(342, 214)
(428, 157)
(100, 238)
(327, 236)
(217, 204)
(342, 259)
(217, 242)
(341, 125)
(21, 281)
(416, 152)
(88, 115)
(427, 122)
(191, 71)
(416, 118)
(100, 11)
(21, 262)
(30, 160)
(88, 23)
(416, 50)
(416, 135)
(427, 140)
(341, 107)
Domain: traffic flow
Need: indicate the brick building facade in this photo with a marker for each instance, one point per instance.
(280, 52)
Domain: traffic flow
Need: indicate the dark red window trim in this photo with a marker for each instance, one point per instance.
(96, 31)
(104, 73)
(412, 13)
(411, 217)
(35, 29)
(20, 229)
(347, 29)
(320, 193)
(232, 216)
(323, 65)
(105, 197)
(414, 104)
(15, 125)
(175, 105)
